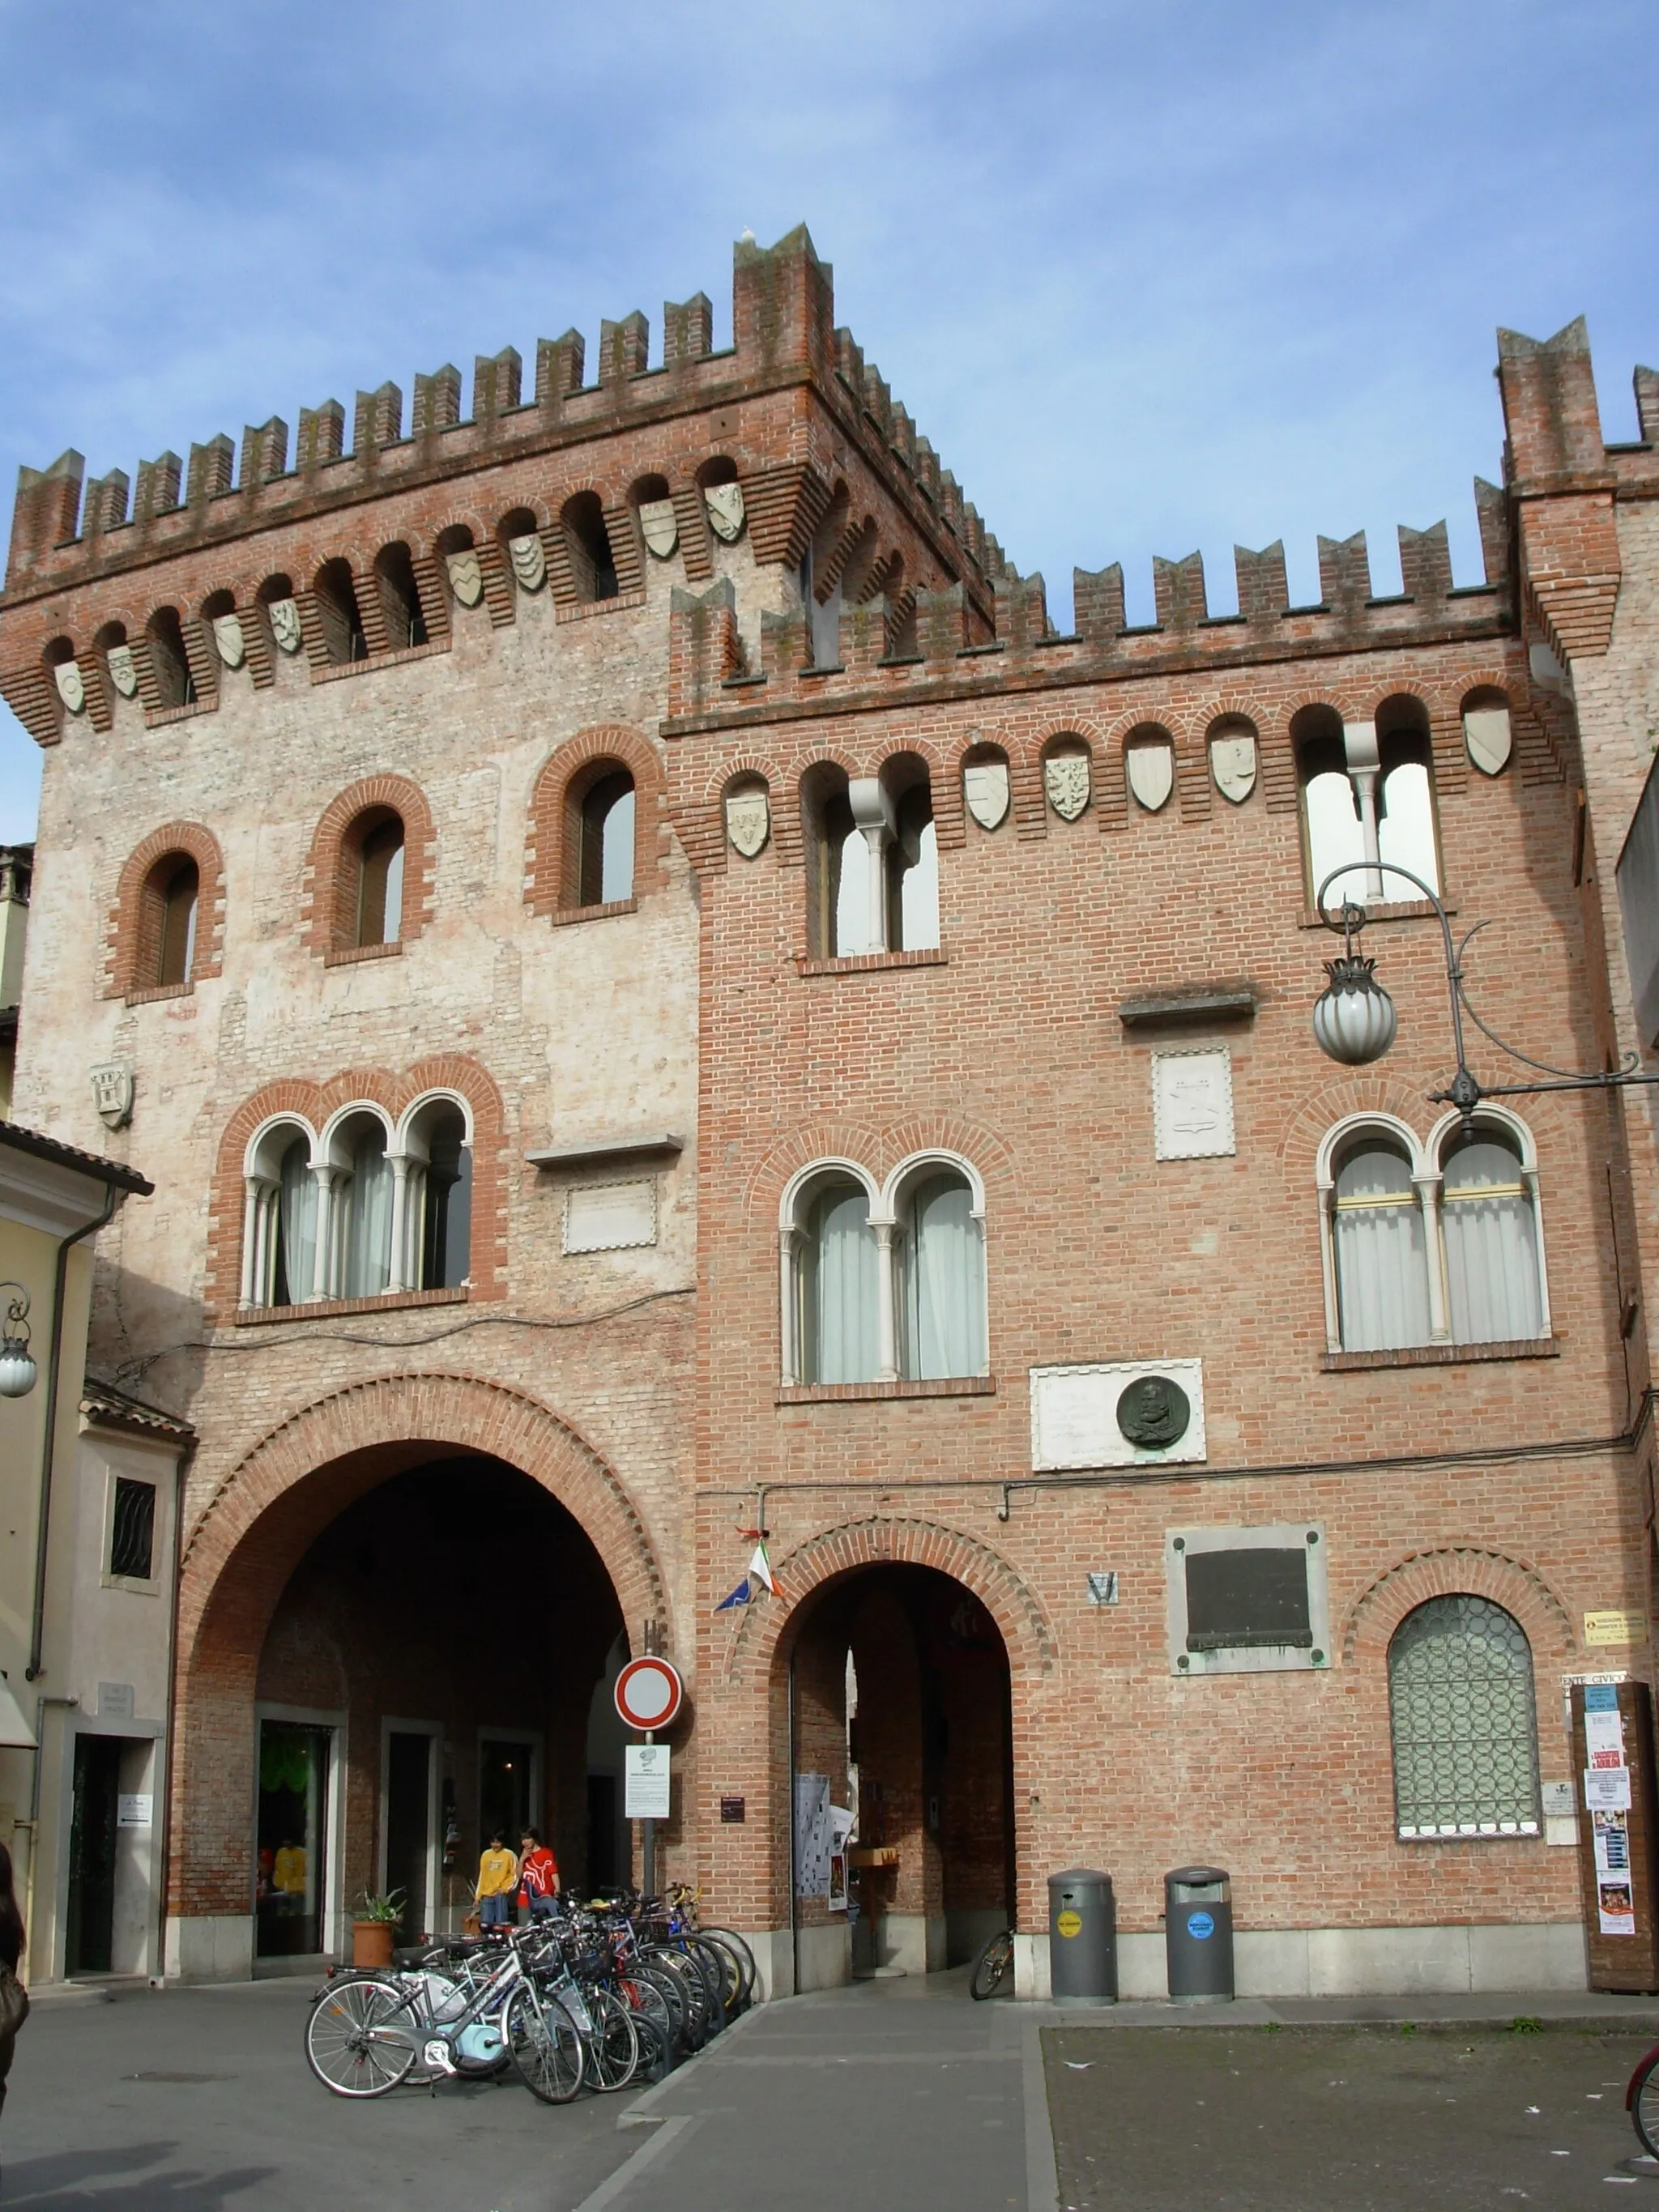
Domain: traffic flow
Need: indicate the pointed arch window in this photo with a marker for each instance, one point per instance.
(1464, 1722)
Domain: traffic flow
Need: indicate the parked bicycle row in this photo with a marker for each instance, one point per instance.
(602, 1994)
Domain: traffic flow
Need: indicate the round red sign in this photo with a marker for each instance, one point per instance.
(648, 1693)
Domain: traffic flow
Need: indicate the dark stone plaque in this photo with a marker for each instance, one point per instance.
(1154, 1412)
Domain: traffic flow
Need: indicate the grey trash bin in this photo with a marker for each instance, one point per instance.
(1198, 1934)
(1082, 1937)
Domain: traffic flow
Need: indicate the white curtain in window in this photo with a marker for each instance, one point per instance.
(392, 927)
(1381, 1270)
(617, 850)
(840, 1336)
(853, 898)
(919, 896)
(1334, 837)
(942, 1283)
(1404, 829)
(299, 1223)
(1491, 1246)
(366, 1252)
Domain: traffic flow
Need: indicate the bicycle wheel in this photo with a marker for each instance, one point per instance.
(740, 1951)
(729, 1972)
(671, 1993)
(360, 2039)
(545, 2044)
(613, 2049)
(993, 1966)
(1642, 2097)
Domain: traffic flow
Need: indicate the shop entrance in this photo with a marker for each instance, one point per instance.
(461, 1592)
(901, 1719)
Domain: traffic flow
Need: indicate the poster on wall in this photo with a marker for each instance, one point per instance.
(1615, 1908)
(813, 1833)
(1606, 1789)
(841, 1828)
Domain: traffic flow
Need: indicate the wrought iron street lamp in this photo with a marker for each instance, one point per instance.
(17, 1368)
(1354, 1019)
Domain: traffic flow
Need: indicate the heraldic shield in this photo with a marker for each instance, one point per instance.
(748, 821)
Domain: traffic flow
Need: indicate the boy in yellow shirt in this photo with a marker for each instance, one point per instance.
(498, 1882)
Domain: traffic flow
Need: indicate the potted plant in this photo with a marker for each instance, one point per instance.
(373, 1925)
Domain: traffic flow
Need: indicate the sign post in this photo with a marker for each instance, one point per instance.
(649, 1694)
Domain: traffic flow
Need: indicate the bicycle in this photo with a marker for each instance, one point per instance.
(1642, 2101)
(994, 1967)
(366, 2032)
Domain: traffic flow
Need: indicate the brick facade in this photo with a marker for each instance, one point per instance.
(642, 1386)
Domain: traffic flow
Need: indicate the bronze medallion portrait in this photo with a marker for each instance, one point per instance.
(1154, 1412)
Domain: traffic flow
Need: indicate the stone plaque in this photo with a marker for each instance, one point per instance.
(1079, 1419)
(229, 641)
(112, 1093)
(661, 526)
(1487, 734)
(71, 687)
(1154, 1412)
(1232, 764)
(465, 577)
(609, 1217)
(1065, 779)
(748, 821)
(1151, 774)
(985, 788)
(115, 1701)
(123, 670)
(726, 510)
(285, 625)
(529, 563)
(1192, 1103)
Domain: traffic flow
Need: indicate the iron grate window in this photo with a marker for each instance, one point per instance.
(1465, 1727)
(132, 1537)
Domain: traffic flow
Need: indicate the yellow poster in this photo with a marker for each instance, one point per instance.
(1615, 1628)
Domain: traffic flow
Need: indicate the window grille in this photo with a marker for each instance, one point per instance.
(1465, 1727)
(132, 1534)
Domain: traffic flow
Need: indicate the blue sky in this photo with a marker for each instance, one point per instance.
(1150, 276)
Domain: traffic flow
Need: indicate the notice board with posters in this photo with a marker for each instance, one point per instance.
(1612, 1756)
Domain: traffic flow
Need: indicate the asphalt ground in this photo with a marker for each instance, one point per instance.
(1215, 2118)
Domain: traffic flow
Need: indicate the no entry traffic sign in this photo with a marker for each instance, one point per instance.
(648, 1693)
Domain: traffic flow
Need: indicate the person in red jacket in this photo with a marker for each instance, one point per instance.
(538, 1875)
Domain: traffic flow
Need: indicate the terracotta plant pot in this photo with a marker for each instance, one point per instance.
(371, 1941)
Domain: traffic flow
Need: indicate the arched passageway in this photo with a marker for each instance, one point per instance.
(386, 1647)
(899, 1693)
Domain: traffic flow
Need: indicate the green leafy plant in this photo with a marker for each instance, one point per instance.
(389, 1907)
(1408, 2027)
(1526, 2023)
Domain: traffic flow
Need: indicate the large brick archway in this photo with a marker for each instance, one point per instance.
(259, 1525)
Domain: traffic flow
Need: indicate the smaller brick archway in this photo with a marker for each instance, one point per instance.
(263, 1523)
(904, 1666)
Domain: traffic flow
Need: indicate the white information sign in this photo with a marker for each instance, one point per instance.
(134, 1811)
(647, 1781)
(1606, 1789)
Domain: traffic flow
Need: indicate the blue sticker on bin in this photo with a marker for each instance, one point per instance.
(1600, 1697)
(1201, 1925)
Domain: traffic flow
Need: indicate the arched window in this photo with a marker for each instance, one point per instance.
(605, 828)
(293, 1245)
(1488, 1219)
(911, 856)
(371, 859)
(1381, 1265)
(168, 660)
(592, 564)
(336, 592)
(836, 1272)
(837, 863)
(432, 1248)
(361, 1211)
(1367, 801)
(171, 898)
(1464, 1725)
(400, 599)
(939, 1258)
(819, 582)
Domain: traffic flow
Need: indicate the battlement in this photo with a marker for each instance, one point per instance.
(928, 638)
(68, 528)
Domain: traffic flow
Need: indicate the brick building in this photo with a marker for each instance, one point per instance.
(665, 1002)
